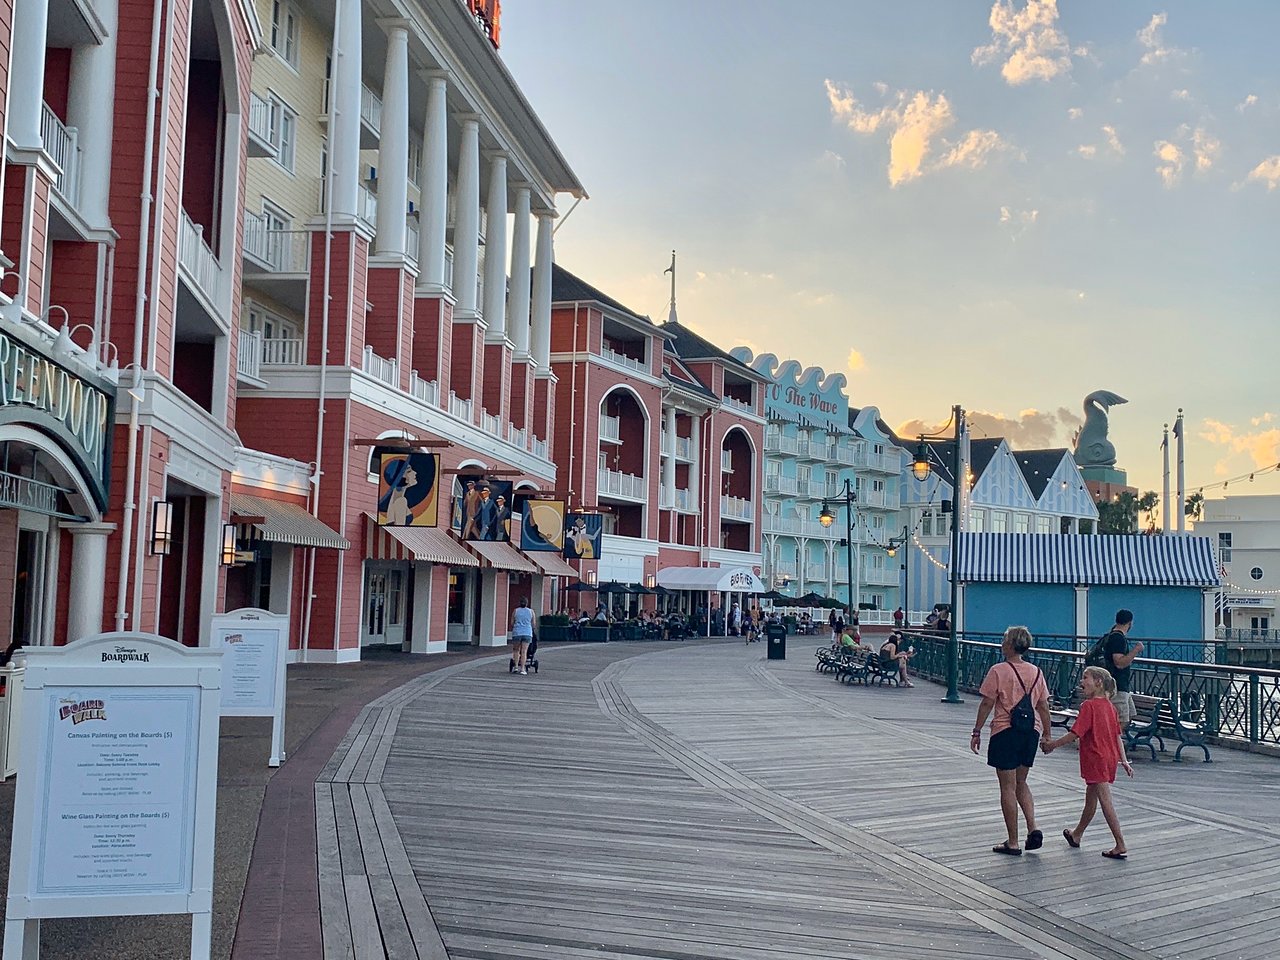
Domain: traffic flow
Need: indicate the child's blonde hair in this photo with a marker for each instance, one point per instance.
(1103, 678)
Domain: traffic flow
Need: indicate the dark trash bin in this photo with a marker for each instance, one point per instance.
(776, 635)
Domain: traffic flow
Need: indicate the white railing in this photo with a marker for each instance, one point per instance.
(777, 483)
(786, 568)
(777, 443)
(490, 423)
(428, 391)
(381, 368)
(737, 508)
(260, 125)
(880, 576)
(539, 448)
(282, 352)
(841, 453)
(411, 239)
(367, 205)
(277, 251)
(370, 109)
(459, 408)
(815, 571)
(684, 448)
(744, 405)
(884, 462)
(198, 261)
(814, 490)
(682, 501)
(448, 267)
(623, 485)
(619, 358)
(610, 428)
(726, 461)
(871, 498)
(62, 144)
(796, 527)
(517, 436)
(249, 354)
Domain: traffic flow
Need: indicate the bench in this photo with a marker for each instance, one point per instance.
(1154, 718)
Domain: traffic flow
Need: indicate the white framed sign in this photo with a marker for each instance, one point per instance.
(116, 797)
(254, 645)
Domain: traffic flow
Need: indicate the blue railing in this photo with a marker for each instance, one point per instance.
(1239, 703)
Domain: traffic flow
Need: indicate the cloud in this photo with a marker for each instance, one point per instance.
(1087, 150)
(1171, 162)
(1180, 95)
(1246, 103)
(1074, 113)
(1030, 429)
(1029, 41)
(916, 123)
(1113, 141)
(1261, 444)
(1018, 221)
(831, 160)
(1207, 149)
(1151, 37)
(1268, 172)
(856, 361)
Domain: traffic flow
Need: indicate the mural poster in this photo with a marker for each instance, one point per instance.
(582, 536)
(542, 527)
(407, 489)
(481, 508)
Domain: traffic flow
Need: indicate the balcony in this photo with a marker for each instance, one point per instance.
(842, 453)
(249, 358)
(428, 391)
(786, 568)
(796, 527)
(610, 429)
(777, 483)
(741, 406)
(380, 368)
(262, 139)
(283, 352)
(737, 508)
(199, 265)
(626, 486)
(683, 447)
(63, 147)
(490, 423)
(623, 360)
(370, 115)
(815, 572)
(367, 205)
(679, 500)
(459, 408)
(275, 251)
(726, 461)
(880, 576)
(539, 449)
(885, 462)
(519, 438)
(775, 442)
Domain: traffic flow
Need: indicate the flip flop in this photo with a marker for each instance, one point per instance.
(1035, 840)
(1112, 855)
(1007, 850)
(1071, 842)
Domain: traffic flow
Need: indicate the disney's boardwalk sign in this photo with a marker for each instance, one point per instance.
(808, 397)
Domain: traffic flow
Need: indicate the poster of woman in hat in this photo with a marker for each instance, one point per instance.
(407, 489)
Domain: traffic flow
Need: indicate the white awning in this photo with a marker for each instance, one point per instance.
(740, 579)
(1137, 560)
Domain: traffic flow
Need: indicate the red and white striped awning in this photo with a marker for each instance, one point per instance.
(501, 556)
(427, 544)
(551, 564)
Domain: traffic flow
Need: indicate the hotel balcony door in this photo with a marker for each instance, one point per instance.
(385, 586)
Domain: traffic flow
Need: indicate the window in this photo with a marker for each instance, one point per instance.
(999, 521)
(277, 219)
(1044, 524)
(977, 521)
(1224, 547)
(285, 24)
(877, 522)
(877, 486)
(1021, 523)
(415, 160)
(773, 468)
(1256, 573)
(284, 131)
(272, 326)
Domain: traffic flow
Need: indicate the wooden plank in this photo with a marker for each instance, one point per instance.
(335, 926)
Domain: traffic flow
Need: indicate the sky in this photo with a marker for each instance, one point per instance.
(1006, 206)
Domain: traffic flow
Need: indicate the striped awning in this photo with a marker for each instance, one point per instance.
(1151, 561)
(427, 544)
(501, 556)
(551, 564)
(278, 521)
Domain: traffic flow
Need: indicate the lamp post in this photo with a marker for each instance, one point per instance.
(920, 469)
(891, 549)
(827, 517)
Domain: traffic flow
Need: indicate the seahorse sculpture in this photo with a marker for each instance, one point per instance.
(1093, 449)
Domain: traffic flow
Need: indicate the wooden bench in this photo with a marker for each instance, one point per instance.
(1154, 718)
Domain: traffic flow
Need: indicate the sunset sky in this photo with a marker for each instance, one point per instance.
(1004, 206)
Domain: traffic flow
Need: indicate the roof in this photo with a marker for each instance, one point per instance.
(284, 522)
(1039, 466)
(880, 425)
(692, 346)
(1140, 561)
(570, 288)
(980, 453)
(741, 579)
(683, 377)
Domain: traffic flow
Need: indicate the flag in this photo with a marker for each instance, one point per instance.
(1177, 427)
(1164, 444)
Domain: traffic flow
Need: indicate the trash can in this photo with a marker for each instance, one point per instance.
(776, 635)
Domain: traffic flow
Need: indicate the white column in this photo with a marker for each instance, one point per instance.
(466, 227)
(668, 497)
(435, 186)
(518, 307)
(26, 73)
(1082, 611)
(540, 324)
(91, 110)
(88, 577)
(495, 253)
(344, 87)
(393, 145)
(695, 451)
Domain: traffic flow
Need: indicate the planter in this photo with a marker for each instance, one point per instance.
(553, 634)
(595, 634)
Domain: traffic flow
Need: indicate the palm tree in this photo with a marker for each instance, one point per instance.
(1195, 506)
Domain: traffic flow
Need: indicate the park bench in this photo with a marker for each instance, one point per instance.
(1154, 718)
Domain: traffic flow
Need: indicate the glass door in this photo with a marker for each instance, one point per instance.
(384, 605)
(28, 587)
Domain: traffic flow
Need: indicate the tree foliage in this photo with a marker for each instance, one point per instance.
(1120, 515)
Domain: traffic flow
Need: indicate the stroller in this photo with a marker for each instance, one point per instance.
(530, 659)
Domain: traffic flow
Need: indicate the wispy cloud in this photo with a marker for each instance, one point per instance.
(1180, 95)
(1113, 140)
(1074, 113)
(1029, 430)
(1246, 103)
(1152, 39)
(1018, 222)
(1260, 442)
(1207, 149)
(1268, 172)
(1029, 41)
(916, 123)
(856, 361)
(1170, 163)
(1087, 150)
(1196, 146)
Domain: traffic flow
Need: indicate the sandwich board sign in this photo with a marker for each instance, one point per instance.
(254, 644)
(117, 786)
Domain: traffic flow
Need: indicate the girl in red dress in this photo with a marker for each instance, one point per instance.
(1101, 749)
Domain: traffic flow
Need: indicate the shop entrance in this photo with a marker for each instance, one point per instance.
(384, 604)
(28, 587)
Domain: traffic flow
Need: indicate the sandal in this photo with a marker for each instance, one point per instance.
(1035, 840)
(1115, 855)
(1007, 850)
(1072, 842)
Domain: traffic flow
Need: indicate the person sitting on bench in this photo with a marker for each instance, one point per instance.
(890, 650)
(852, 640)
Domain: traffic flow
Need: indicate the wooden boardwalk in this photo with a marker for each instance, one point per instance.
(696, 801)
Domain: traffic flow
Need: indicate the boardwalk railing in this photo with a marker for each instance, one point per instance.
(1239, 703)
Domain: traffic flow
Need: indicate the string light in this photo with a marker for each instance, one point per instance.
(1230, 480)
(1251, 590)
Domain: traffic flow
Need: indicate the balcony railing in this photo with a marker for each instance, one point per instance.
(282, 352)
(260, 126)
(842, 453)
(683, 447)
(370, 109)
(737, 508)
(624, 360)
(678, 499)
(367, 205)
(380, 368)
(796, 527)
(777, 483)
(197, 260)
(786, 568)
(539, 448)
(872, 498)
(428, 391)
(610, 428)
(276, 251)
(815, 571)
(62, 144)
(880, 576)
(517, 436)
(628, 485)
(743, 405)
(459, 408)
(490, 423)
(249, 355)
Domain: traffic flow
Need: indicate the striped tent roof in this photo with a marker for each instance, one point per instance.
(1151, 561)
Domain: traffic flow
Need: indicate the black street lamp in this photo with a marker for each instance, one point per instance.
(827, 517)
(920, 469)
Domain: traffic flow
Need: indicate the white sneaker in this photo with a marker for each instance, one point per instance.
(524, 673)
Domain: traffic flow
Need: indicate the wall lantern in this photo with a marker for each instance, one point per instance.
(591, 577)
(161, 528)
(228, 544)
(650, 580)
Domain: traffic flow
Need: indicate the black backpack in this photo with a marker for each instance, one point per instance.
(1023, 715)
(1097, 655)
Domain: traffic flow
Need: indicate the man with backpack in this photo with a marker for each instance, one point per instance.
(1113, 653)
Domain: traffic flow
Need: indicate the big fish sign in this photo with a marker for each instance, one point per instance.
(806, 396)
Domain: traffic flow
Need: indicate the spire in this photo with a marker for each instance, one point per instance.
(671, 310)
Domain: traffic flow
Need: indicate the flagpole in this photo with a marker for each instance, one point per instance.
(671, 309)
(1182, 477)
(1165, 501)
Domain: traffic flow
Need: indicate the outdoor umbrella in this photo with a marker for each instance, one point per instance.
(773, 595)
(581, 588)
(663, 591)
(640, 588)
(811, 599)
(613, 586)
